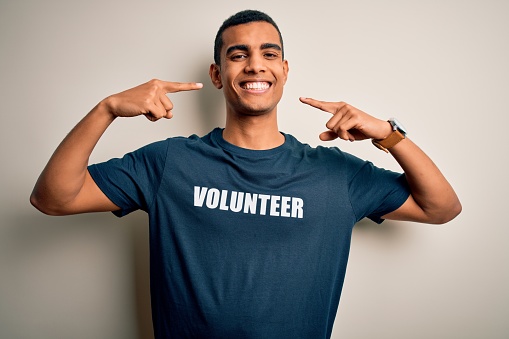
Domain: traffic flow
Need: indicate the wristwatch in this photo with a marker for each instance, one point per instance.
(398, 133)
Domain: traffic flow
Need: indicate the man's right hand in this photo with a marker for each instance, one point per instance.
(148, 99)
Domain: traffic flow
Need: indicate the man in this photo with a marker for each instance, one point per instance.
(249, 228)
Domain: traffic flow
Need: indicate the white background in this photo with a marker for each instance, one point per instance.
(441, 67)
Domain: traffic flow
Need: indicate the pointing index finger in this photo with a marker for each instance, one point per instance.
(322, 105)
(172, 87)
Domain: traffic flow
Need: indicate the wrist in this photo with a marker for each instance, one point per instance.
(386, 131)
(396, 134)
(106, 108)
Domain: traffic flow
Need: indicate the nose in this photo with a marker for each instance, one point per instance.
(255, 64)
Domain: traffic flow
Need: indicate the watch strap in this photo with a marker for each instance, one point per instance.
(392, 140)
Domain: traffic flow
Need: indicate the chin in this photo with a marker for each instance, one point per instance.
(257, 111)
(260, 108)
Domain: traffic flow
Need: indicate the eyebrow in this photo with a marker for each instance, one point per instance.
(245, 48)
(237, 48)
(270, 46)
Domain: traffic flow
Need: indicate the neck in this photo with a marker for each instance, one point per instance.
(253, 132)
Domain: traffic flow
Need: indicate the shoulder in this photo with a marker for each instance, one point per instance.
(331, 153)
(337, 161)
(175, 148)
(162, 146)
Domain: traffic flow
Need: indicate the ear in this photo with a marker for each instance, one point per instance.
(286, 69)
(215, 75)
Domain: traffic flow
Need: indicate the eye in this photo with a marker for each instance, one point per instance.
(238, 57)
(271, 55)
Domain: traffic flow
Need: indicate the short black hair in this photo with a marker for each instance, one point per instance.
(242, 17)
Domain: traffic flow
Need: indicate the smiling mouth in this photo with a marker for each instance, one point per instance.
(255, 85)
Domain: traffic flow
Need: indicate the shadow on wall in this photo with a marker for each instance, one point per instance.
(390, 232)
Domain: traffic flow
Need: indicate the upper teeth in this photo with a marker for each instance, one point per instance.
(256, 85)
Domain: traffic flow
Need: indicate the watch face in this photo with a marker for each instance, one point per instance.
(396, 125)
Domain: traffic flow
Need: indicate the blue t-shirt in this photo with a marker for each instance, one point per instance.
(246, 243)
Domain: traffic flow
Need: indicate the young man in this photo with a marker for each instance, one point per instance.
(249, 228)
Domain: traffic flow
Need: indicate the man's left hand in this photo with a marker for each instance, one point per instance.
(348, 122)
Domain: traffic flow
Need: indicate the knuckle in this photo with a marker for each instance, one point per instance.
(154, 85)
(147, 102)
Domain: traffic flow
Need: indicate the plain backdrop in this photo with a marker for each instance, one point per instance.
(441, 67)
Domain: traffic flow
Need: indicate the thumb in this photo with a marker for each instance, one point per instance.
(328, 136)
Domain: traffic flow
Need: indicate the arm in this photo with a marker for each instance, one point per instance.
(65, 186)
(432, 198)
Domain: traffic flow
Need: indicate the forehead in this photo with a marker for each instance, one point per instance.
(252, 34)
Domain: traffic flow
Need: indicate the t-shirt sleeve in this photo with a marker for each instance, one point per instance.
(131, 182)
(375, 191)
